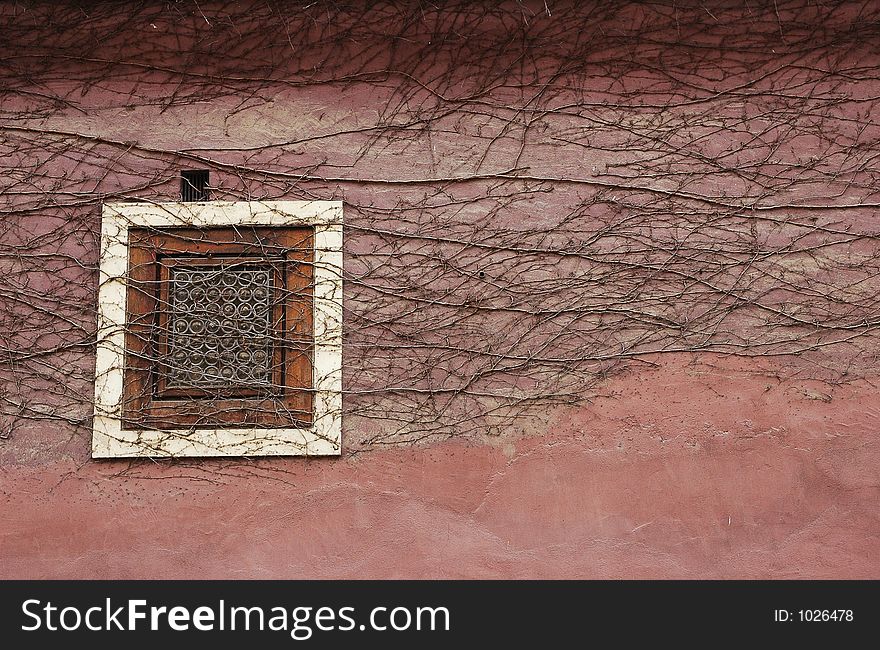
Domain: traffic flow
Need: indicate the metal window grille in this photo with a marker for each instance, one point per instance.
(194, 185)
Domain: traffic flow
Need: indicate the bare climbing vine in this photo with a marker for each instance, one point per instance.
(537, 194)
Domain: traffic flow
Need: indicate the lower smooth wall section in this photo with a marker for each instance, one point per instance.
(718, 470)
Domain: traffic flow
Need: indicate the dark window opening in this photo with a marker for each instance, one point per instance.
(194, 185)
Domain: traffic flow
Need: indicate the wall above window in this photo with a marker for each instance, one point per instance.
(219, 330)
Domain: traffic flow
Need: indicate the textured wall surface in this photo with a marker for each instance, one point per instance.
(698, 473)
(611, 291)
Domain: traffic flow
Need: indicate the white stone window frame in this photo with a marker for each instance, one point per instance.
(323, 437)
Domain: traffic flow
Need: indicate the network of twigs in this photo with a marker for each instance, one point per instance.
(537, 194)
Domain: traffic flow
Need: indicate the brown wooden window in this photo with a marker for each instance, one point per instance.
(219, 329)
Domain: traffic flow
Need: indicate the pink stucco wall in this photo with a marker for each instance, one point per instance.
(698, 473)
(695, 465)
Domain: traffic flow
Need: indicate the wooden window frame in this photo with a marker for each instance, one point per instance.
(145, 402)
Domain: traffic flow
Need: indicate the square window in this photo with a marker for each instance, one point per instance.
(220, 329)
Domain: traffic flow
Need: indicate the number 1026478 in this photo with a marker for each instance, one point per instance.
(813, 615)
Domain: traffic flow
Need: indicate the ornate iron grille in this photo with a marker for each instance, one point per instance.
(220, 328)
